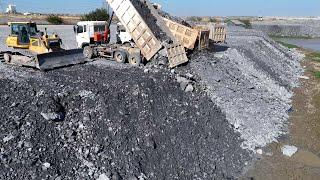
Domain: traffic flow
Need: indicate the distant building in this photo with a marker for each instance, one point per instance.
(11, 9)
(26, 13)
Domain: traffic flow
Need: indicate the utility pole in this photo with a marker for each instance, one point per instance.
(1, 7)
(106, 6)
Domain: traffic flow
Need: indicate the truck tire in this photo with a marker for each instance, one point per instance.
(135, 61)
(120, 56)
(88, 52)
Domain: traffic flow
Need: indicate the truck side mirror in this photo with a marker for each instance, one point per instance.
(75, 29)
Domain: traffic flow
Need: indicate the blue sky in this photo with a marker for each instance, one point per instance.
(186, 7)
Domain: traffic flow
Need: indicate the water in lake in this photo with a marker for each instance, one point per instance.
(312, 44)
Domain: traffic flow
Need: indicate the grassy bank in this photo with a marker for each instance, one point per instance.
(289, 37)
(290, 46)
(314, 56)
(310, 55)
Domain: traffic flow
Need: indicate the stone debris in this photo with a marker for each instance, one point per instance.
(289, 150)
(140, 123)
(137, 125)
(304, 77)
(259, 151)
(8, 138)
(103, 177)
(252, 84)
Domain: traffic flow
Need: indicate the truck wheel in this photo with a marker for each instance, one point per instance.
(135, 61)
(7, 57)
(120, 56)
(88, 52)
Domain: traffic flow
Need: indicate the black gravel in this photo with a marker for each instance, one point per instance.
(174, 18)
(86, 121)
(151, 20)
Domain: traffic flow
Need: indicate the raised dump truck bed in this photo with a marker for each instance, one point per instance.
(185, 35)
(149, 38)
(218, 33)
(135, 25)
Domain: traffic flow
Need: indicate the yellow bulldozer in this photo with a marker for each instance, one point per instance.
(33, 48)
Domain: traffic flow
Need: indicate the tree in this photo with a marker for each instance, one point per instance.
(54, 19)
(100, 14)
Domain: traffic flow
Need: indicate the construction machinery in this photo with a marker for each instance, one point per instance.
(94, 38)
(32, 48)
(148, 30)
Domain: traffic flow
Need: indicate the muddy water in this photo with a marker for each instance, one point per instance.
(311, 44)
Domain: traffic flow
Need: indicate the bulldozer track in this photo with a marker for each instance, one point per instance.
(1, 57)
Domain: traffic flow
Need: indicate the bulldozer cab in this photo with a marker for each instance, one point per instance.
(23, 30)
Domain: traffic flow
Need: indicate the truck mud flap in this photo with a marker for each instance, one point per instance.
(176, 55)
(54, 60)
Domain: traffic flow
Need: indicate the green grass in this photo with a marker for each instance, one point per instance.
(317, 74)
(290, 46)
(315, 56)
(289, 37)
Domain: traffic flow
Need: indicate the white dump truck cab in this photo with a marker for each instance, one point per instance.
(123, 35)
(85, 31)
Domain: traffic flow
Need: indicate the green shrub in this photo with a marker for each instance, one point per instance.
(100, 14)
(54, 19)
(246, 22)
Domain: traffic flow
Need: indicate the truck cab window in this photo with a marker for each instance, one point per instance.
(80, 29)
(99, 28)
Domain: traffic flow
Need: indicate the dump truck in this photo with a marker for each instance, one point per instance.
(94, 38)
(148, 30)
(32, 48)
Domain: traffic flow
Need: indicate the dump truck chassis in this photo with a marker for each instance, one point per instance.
(119, 53)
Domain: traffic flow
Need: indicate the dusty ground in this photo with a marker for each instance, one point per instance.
(304, 134)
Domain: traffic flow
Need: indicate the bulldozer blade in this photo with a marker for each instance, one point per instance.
(54, 60)
(2, 56)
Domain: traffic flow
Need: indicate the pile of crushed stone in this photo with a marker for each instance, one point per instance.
(251, 80)
(98, 121)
